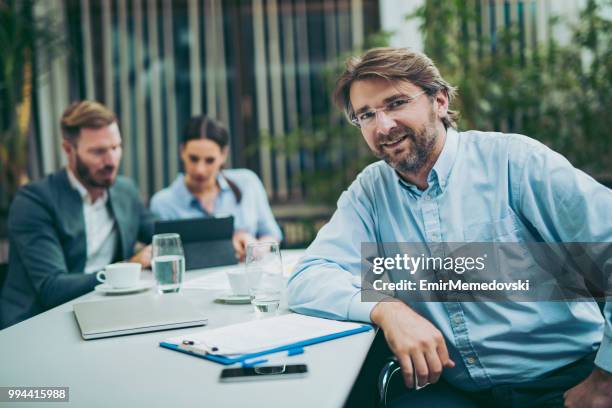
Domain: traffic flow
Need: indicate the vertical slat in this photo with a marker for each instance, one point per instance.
(542, 21)
(473, 34)
(514, 21)
(124, 85)
(289, 68)
(499, 28)
(529, 29)
(140, 94)
(277, 98)
(156, 112)
(90, 91)
(261, 89)
(59, 85)
(107, 52)
(344, 46)
(485, 12)
(357, 23)
(514, 17)
(223, 98)
(43, 100)
(303, 67)
(170, 100)
(499, 17)
(216, 78)
(330, 12)
(357, 29)
(516, 52)
(331, 53)
(344, 25)
(530, 47)
(194, 59)
(212, 59)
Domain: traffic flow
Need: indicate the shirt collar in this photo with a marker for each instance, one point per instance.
(442, 168)
(222, 181)
(181, 192)
(445, 162)
(85, 196)
(184, 195)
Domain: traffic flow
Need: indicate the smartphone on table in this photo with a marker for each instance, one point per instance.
(264, 372)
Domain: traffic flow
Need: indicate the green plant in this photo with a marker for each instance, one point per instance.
(20, 35)
(558, 94)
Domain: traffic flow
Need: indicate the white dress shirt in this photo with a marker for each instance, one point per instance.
(100, 229)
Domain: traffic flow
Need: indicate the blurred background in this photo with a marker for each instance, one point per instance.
(266, 69)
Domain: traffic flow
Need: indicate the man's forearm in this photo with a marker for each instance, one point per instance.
(65, 287)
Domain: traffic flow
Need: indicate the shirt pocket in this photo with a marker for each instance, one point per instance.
(509, 257)
(506, 229)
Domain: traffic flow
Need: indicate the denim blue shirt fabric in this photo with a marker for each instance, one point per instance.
(252, 214)
(484, 187)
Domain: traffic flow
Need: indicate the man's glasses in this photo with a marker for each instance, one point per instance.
(367, 119)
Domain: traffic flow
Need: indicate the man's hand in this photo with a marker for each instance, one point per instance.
(413, 340)
(594, 392)
(143, 257)
(240, 240)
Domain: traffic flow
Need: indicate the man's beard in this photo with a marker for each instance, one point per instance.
(419, 153)
(89, 179)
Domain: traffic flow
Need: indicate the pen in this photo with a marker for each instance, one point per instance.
(197, 347)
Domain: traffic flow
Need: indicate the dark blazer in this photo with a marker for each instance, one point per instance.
(48, 248)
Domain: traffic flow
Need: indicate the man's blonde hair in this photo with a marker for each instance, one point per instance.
(394, 64)
(85, 114)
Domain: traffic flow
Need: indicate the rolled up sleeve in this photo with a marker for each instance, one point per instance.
(327, 280)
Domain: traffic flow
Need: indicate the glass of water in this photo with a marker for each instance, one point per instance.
(264, 270)
(168, 262)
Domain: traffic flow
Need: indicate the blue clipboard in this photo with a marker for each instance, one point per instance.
(292, 349)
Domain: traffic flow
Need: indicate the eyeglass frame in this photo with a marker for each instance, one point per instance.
(410, 98)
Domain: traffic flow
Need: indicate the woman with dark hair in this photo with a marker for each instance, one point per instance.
(205, 190)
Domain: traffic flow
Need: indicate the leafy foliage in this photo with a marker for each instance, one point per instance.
(556, 93)
(20, 35)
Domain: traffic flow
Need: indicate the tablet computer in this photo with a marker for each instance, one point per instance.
(207, 242)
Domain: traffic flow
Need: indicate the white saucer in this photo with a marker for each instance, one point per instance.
(109, 290)
(234, 299)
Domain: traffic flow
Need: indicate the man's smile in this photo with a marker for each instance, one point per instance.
(393, 143)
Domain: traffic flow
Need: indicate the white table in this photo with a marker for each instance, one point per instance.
(133, 371)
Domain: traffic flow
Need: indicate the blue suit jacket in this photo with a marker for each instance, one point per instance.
(48, 247)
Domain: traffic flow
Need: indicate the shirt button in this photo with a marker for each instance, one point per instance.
(470, 360)
(427, 197)
(457, 319)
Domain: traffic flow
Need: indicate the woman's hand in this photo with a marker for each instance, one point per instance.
(240, 240)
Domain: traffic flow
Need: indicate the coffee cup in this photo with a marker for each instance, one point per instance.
(238, 282)
(120, 275)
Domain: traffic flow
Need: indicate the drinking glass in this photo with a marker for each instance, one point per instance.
(264, 270)
(168, 262)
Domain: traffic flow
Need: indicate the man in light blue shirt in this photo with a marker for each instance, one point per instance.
(435, 184)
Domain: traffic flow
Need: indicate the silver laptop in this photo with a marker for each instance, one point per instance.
(135, 314)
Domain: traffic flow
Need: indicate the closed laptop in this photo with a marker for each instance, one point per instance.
(136, 314)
